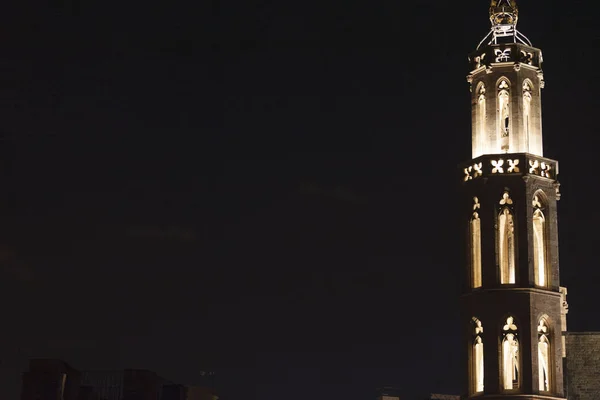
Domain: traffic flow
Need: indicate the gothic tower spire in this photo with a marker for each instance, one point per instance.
(511, 304)
(503, 120)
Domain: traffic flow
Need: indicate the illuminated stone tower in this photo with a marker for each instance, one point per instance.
(512, 306)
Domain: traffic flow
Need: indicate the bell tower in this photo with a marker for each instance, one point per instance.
(511, 304)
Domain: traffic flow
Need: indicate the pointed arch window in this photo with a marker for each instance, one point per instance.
(510, 355)
(539, 242)
(506, 241)
(477, 356)
(544, 356)
(481, 116)
(504, 114)
(527, 97)
(475, 234)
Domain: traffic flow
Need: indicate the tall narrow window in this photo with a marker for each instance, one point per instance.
(539, 243)
(527, 110)
(477, 356)
(510, 355)
(481, 119)
(475, 232)
(543, 356)
(506, 241)
(504, 114)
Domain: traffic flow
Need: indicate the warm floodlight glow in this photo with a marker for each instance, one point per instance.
(510, 355)
(479, 365)
(506, 119)
(527, 97)
(478, 350)
(506, 242)
(477, 356)
(543, 356)
(481, 118)
(539, 243)
(504, 115)
(475, 231)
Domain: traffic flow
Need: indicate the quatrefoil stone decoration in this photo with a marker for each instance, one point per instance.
(512, 166)
(477, 169)
(536, 202)
(498, 169)
(534, 166)
(542, 328)
(468, 176)
(473, 171)
(542, 169)
(506, 200)
(545, 170)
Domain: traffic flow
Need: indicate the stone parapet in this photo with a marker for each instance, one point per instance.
(493, 165)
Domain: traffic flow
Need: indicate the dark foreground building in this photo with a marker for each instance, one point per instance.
(513, 308)
(49, 379)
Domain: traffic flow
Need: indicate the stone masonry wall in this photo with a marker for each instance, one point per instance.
(583, 366)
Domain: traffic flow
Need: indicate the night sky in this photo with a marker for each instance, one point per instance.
(263, 189)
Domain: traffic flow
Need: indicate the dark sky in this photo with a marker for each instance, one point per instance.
(265, 189)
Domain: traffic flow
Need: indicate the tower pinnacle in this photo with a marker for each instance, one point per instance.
(504, 15)
(504, 12)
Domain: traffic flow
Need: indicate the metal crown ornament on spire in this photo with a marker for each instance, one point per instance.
(504, 12)
(504, 15)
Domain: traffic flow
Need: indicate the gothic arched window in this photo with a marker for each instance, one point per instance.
(506, 241)
(481, 117)
(539, 242)
(510, 355)
(477, 356)
(504, 113)
(527, 97)
(475, 234)
(544, 356)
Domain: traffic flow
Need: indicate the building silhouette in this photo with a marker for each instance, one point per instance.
(107, 385)
(513, 308)
(49, 379)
